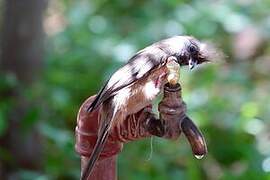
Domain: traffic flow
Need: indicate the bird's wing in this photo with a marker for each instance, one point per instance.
(137, 67)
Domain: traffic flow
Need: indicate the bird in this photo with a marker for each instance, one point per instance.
(137, 83)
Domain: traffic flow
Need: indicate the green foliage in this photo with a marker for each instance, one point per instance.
(229, 100)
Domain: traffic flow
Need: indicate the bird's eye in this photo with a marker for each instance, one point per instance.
(183, 58)
(193, 49)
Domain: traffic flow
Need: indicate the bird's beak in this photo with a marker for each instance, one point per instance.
(192, 63)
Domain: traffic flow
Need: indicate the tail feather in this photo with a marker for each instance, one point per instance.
(96, 152)
(107, 116)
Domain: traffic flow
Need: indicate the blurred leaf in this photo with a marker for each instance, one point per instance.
(3, 123)
(30, 118)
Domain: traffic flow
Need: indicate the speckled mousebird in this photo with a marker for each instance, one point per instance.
(138, 82)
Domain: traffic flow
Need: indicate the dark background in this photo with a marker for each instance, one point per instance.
(54, 54)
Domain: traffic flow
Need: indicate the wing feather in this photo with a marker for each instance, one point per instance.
(137, 67)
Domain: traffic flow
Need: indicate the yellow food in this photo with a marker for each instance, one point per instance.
(174, 72)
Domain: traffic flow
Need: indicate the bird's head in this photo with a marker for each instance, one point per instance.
(194, 52)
